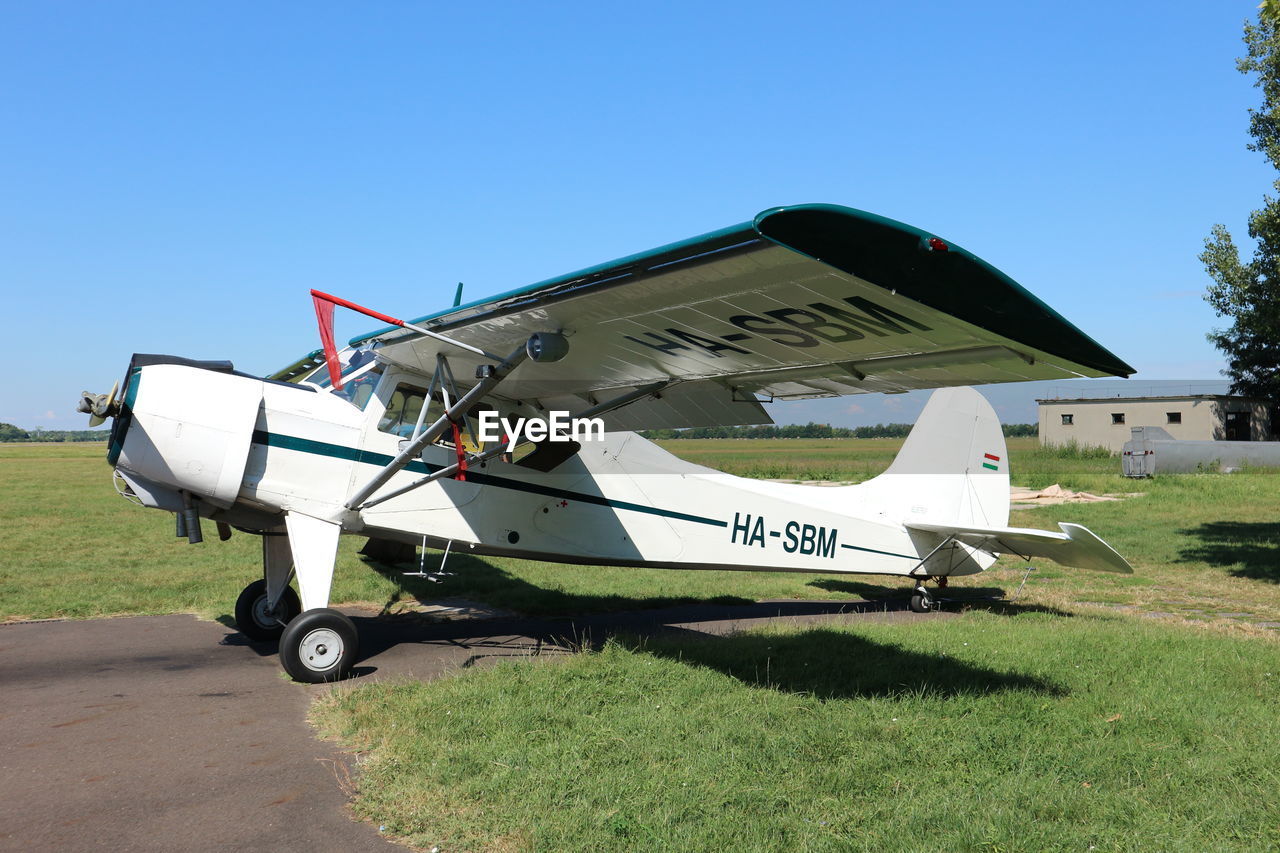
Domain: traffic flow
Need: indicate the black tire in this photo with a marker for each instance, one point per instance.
(319, 645)
(255, 621)
(920, 604)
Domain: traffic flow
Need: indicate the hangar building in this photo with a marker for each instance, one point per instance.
(1107, 421)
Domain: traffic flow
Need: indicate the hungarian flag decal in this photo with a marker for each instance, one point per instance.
(991, 462)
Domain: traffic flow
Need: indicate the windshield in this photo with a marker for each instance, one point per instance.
(360, 375)
(357, 391)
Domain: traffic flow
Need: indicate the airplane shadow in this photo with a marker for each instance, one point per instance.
(815, 660)
(1246, 549)
(552, 618)
(530, 636)
(832, 664)
(989, 598)
(820, 661)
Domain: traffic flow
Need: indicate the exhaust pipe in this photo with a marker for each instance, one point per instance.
(189, 520)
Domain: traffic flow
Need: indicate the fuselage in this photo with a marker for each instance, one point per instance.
(249, 450)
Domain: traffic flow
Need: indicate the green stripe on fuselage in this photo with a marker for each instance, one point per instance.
(338, 451)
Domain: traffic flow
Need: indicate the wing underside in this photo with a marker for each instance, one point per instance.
(811, 301)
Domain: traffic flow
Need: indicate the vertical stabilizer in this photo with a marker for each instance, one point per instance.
(953, 467)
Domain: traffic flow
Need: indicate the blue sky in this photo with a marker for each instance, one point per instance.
(175, 177)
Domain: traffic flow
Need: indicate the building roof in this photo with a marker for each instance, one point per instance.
(1144, 399)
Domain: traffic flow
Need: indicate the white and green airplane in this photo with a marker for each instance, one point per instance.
(446, 431)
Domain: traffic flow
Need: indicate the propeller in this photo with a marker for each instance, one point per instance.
(99, 407)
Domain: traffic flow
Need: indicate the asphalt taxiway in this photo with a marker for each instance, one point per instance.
(164, 732)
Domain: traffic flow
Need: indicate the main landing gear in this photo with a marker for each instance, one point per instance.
(320, 645)
(316, 646)
(317, 643)
(257, 620)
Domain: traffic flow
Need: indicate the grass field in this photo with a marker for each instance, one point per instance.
(1096, 711)
(1014, 731)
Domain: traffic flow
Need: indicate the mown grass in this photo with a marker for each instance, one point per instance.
(1014, 731)
(1063, 723)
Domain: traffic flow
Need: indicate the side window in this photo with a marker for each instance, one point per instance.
(402, 411)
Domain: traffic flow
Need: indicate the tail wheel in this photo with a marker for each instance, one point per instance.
(921, 603)
(259, 622)
(319, 645)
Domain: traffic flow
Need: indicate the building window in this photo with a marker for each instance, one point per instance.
(1117, 417)
(1068, 420)
(1173, 417)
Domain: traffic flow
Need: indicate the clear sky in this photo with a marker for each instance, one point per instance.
(174, 177)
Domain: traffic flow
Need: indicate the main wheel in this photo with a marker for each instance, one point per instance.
(319, 645)
(920, 604)
(258, 622)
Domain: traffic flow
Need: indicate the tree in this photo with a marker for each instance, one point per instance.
(1248, 292)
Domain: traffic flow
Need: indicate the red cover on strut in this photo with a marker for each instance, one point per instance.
(462, 452)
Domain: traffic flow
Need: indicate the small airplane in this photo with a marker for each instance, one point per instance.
(460, 430)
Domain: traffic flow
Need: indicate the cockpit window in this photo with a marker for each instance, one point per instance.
(402, 412)
(360, 375)
(359, 391)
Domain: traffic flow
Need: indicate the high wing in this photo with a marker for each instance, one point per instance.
(805, 301)
(1075, 546)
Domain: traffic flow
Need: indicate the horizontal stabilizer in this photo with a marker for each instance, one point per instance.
(1075, 546)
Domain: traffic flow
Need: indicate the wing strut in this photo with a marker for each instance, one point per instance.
(447, 471)
(490, 377)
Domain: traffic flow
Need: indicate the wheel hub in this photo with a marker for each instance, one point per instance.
(320, 649)
(264, 615)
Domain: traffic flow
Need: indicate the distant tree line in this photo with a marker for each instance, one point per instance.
(811, 430)
(9, 432)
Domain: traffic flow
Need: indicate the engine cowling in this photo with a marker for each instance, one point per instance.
(188, 428)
